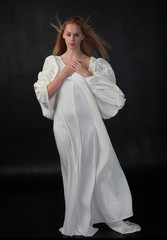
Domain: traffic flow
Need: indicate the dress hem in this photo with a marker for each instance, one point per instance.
(92, 230)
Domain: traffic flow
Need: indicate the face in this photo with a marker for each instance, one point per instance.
(73, 36)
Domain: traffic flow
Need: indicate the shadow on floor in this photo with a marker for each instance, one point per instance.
(33, 207)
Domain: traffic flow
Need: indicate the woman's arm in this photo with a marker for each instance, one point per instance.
(53, 86)
(109, 97)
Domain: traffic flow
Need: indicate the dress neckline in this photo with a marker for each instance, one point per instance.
(90, 62)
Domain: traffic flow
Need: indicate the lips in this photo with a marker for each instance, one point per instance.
(72, 44)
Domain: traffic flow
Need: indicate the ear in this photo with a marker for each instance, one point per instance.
(83, 37)
(63, 35)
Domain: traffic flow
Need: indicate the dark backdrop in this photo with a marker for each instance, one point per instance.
(136, 31)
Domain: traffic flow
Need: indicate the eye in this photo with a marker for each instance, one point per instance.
(68, 34)
(77, 35)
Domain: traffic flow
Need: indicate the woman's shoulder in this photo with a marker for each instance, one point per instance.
(52, 60)
(99, 62)
(49, 58)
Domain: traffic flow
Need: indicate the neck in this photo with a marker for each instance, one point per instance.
(73, 54)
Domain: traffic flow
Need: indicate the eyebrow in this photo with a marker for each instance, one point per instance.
(74, 33)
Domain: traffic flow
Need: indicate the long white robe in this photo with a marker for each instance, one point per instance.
(95, 187)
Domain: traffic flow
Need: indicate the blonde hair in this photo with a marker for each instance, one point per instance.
(90, 45)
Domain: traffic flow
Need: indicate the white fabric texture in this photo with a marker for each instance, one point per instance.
(124, 227)
(95, 187)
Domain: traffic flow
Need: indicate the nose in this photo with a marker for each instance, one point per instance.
(72, 38)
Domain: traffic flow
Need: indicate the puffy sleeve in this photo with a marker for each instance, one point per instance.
(48, 73)
(109, 97)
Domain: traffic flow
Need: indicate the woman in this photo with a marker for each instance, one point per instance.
(77, 91)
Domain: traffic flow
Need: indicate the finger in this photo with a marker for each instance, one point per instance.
(73, 67)
(76, 62)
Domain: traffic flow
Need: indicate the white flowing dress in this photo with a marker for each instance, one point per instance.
(95, 187)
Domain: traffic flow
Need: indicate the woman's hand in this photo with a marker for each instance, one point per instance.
(68, 70)
(80, 68)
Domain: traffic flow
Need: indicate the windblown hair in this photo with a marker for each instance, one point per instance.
(91, 45)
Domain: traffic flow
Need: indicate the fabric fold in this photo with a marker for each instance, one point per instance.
(48, 74)
(109, 97)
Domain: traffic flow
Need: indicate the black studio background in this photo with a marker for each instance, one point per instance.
(136, 31)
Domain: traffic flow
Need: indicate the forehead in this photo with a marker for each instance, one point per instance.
(72, 28)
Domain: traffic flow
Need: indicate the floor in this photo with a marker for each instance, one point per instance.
(33, 207)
